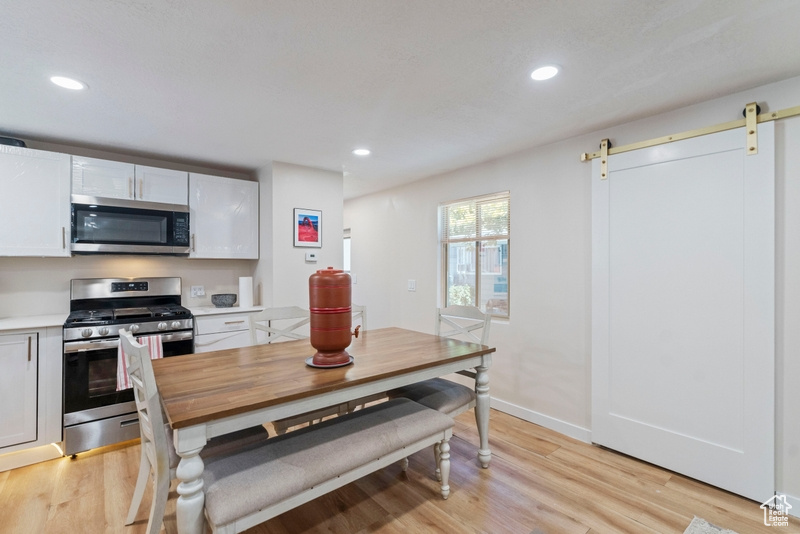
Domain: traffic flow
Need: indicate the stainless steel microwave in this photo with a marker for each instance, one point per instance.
(120, 226)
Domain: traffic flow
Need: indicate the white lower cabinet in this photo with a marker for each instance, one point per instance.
(222, 340)
(19, 359)
(30, 395)
(227, 330)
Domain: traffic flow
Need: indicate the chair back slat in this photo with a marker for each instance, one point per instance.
(148, 402)
(359, 316)
(265, 322)
(463, 322)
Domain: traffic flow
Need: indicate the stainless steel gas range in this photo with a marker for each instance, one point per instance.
(95, 413)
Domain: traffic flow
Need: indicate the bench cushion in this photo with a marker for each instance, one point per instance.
(436, 393)
(262, 475)
(220, 445)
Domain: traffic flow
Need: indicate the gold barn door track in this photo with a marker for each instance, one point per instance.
(751, 119)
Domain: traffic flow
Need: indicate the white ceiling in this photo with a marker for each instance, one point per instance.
(428, 85)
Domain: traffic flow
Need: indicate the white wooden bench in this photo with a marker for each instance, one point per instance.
(261, 482)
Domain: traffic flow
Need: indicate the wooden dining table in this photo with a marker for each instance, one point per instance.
(215, 393)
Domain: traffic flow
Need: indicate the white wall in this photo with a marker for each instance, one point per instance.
(541, 370)
(283, 272)
(262, 276)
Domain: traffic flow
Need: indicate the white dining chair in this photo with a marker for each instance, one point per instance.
(446, 396)
(158, 457)
(272, 322)
(359, 316)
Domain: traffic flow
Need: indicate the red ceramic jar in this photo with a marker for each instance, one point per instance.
(331, 317)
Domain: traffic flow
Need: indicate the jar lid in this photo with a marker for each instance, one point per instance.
(330, 270)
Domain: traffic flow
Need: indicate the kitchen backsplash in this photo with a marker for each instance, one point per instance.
(40, 286)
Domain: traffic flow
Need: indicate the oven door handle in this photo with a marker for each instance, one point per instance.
(84, 346)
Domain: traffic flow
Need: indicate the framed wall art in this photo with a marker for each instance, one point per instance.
(307, 228)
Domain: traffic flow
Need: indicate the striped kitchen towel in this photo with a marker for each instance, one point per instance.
(153, 344)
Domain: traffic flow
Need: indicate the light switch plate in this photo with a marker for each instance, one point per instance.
(311, 257)
(412, 285)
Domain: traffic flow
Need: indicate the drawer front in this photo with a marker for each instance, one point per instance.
(227, 322)
(220, 341)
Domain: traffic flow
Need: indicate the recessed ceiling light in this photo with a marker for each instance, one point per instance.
(68, 83)
(361, 152)
(544, 73)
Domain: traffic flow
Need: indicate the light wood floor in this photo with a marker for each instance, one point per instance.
(539, 482)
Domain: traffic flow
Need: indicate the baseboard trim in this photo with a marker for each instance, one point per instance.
(585, 435)
(794, 511)
(568, 429)
(13, 460)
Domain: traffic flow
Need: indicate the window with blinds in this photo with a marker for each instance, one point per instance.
(475, 252)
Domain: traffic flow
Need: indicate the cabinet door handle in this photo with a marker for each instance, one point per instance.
(234, 322)
(130, 187)
(193, 243)
(141, 188)
(63, 237)
(29, 348)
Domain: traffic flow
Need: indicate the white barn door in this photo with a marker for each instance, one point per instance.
(683, 298)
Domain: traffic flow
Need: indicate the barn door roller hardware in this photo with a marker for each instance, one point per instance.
(751, 126)
(752, 117)
(605, 144)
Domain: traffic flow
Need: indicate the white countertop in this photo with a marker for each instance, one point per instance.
(33, 321)
(211, 310)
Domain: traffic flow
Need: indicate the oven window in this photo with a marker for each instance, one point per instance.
(102, 377)
(120, 225)
(90, 380)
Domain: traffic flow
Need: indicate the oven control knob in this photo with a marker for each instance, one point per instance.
(176, 324)
(103, 331)
(162, 326)
(86, 332)
(134, 328)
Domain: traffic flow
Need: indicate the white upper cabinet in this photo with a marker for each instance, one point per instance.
(34, 202)
(102, 178)
(161, 185)
(223, 217)
(112, 179)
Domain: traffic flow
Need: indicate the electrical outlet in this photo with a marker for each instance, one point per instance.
(412, 285)
(198, 291)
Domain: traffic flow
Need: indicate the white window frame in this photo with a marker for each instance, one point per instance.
(445, 240)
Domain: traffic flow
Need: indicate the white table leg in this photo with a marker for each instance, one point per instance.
(437, 457)
(191, 499)
(482, 413)
(444, 465)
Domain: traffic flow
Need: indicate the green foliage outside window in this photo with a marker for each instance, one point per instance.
(461, 296)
